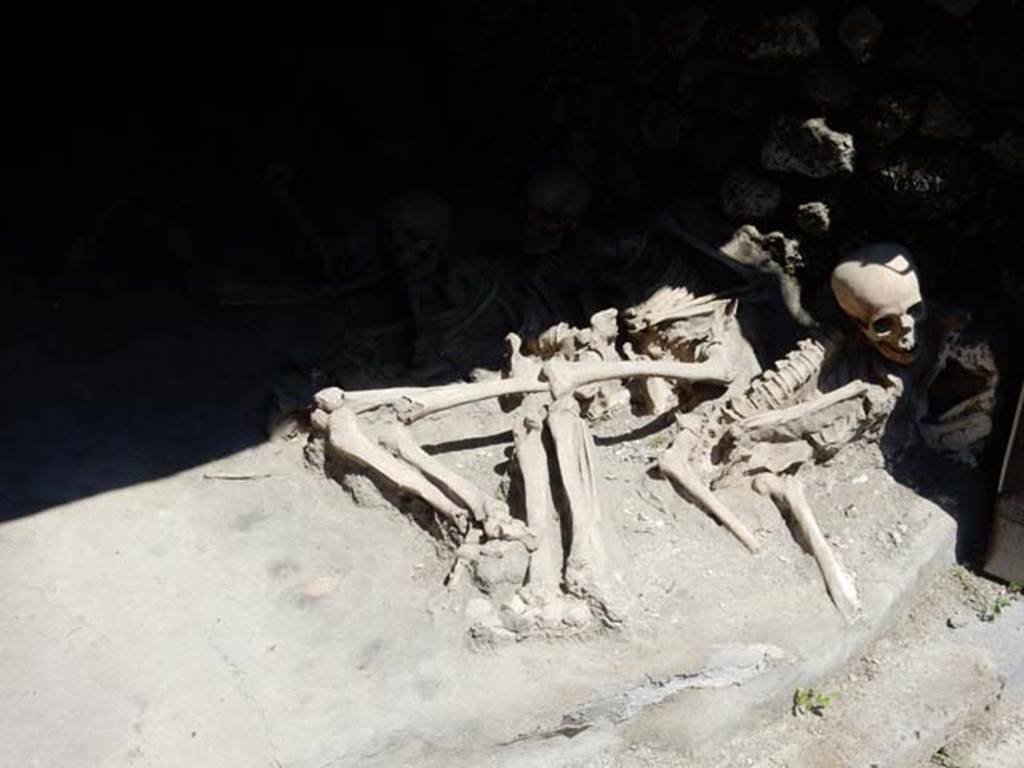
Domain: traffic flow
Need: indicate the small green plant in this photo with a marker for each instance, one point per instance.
(807, 701)
(1013, 591)
(657, 442)
(994, 607)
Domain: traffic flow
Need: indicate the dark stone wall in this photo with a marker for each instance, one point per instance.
(834, 123)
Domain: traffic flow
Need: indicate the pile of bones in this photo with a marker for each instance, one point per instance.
(679, 353)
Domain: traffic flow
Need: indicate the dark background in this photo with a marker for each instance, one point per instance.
(134, 179)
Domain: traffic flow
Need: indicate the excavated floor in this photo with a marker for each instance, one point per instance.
(247, 612)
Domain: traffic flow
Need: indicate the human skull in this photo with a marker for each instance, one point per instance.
(556, 198)
(877, 287)
(420, 225)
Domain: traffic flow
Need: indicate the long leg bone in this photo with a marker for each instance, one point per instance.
(787, 492)
(493, 513)
(674, 464)
(346, 438)
(398, 440)
(595, 569)
(545, 574)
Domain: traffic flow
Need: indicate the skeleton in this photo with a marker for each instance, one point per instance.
(556, 199)
(768, 431)
(684, 354)
(445, 296)
(687, 338)
(804, 409)
(572, 371)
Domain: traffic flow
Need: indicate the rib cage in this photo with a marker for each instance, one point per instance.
(783, 383)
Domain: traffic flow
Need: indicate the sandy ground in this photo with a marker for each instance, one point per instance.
(176, 591)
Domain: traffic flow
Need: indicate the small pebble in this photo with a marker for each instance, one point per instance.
(958, 620)
(320, 586)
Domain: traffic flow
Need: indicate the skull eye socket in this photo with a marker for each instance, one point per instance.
(916, 310)
(883, 326)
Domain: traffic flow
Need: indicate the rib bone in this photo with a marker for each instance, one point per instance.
(788, 493)
(545, 574)
(595, 568)
(674, 464)
(346, 437)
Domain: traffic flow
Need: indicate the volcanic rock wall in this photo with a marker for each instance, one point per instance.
(833, 123)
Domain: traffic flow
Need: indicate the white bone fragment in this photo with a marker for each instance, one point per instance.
(347, 438)
(565, 377)
(362, 400)
(415, 406)
(849, 391)
(595, 568)
(545, 574)
(398, 440)
(675, 465)
(517, 366)
(787, 492)
(672, 304)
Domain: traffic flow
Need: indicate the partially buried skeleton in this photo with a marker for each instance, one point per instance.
(680, 351)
